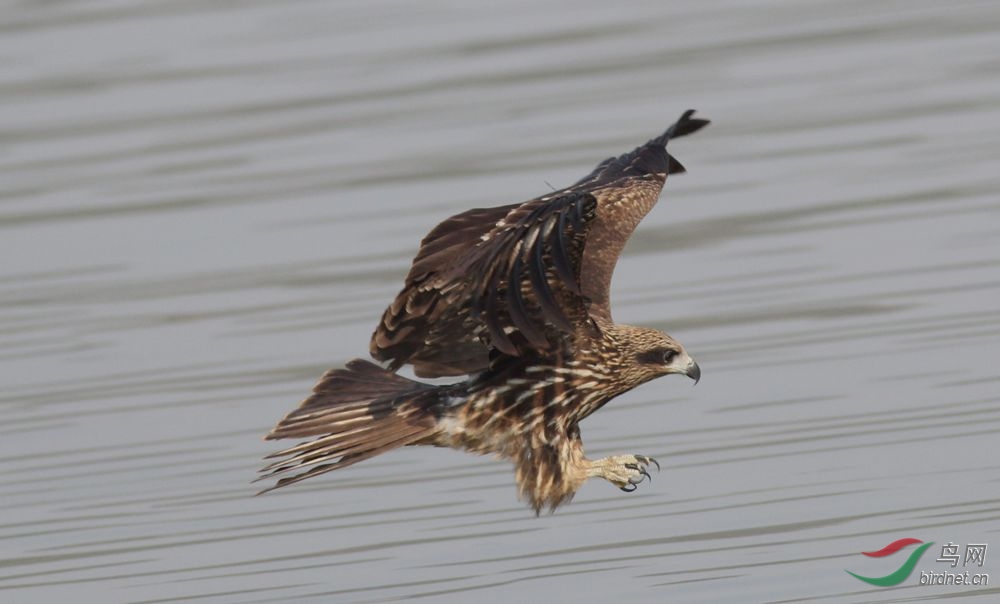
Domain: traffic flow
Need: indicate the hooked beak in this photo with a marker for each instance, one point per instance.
(693, 371)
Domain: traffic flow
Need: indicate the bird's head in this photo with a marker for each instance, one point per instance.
(649, 354)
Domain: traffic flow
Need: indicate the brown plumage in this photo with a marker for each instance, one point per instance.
(516, 298)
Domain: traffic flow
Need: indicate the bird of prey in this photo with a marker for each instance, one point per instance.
(516, 299)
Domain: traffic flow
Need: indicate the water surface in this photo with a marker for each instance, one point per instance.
(203, 205)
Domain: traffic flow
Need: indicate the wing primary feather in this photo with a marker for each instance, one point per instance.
(530, 237)
(577, 214)
(550, 223)
(518, 313)
(480, 292)
(498, 337)
(559, 258)
(543, 291)
(674, 166)
(519, 251)
(682, 127)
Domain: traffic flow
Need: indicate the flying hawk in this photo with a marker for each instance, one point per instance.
(515, 298)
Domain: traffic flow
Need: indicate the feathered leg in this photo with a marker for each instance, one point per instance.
(552, 469)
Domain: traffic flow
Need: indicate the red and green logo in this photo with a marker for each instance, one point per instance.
(901, 573)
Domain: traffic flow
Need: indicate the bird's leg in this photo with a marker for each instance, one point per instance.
(623, 471)
(550, 473)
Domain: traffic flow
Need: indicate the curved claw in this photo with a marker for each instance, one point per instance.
(649, 460)
(642, 472)
(627, 471)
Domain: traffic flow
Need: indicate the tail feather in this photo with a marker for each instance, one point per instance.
(321, 421)
(356, 391)
(345, 461)
(325, 450)
(356, 412)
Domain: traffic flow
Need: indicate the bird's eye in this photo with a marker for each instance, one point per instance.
(668, 356)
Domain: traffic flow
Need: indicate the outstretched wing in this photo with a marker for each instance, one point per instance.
(429, 323)
(520, 277)
(627, 186)
(511, 284)
(523, 280)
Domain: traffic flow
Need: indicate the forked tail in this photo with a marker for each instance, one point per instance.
(357, 412)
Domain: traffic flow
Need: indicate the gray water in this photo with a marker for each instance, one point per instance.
(204, 205)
